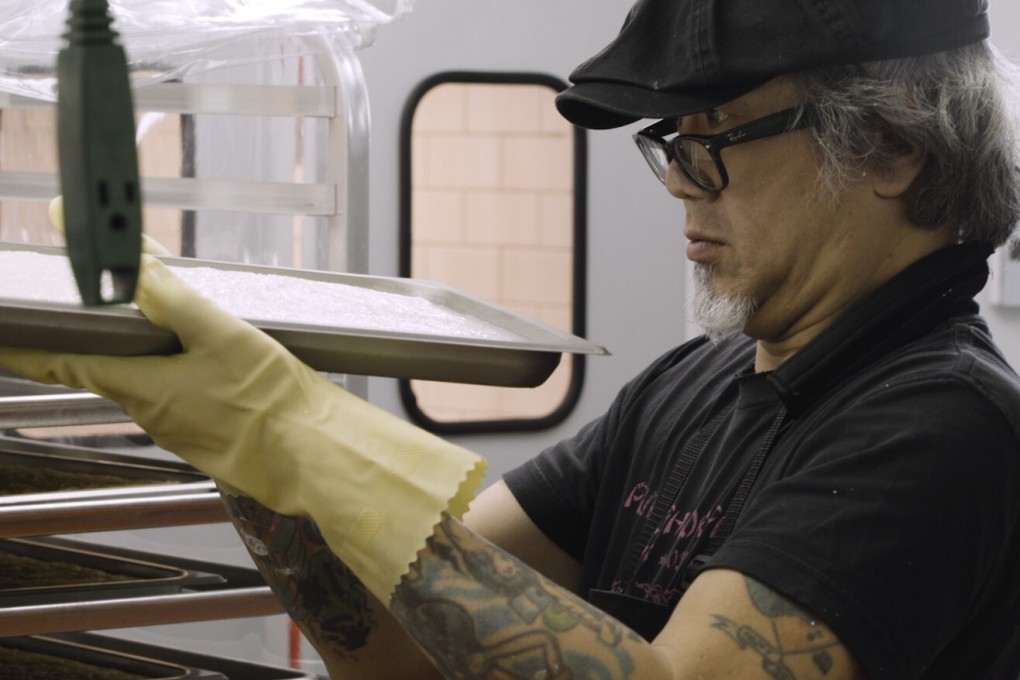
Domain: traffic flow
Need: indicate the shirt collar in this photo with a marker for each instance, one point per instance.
(904, 308)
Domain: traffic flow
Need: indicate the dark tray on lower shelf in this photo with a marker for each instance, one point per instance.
(41, 658)
(66, 573)
(128, 660)
(49, 472)
(238, 592)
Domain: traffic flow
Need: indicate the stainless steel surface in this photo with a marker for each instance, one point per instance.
(184, 496)
(131, 476)
(219, 98)
(105, 656)
(111, 515)
(132, 577)
(24, 403)
(233, 669)
(246, 602)
(522, 362)
(342, 197)
(58, 409)
(223, 98)
(277, 198)
(347, 139)
(244, 594)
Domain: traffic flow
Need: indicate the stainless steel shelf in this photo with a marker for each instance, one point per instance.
(238, 603)
(110, 515)
(218, 98)
(154, 493)
(338, 198)
(279, 198)
(53, 410)
(243, 595)
(137, 657)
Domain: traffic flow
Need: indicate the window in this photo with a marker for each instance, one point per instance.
(493, 202)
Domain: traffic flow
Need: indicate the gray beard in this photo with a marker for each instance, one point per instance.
(719, 316)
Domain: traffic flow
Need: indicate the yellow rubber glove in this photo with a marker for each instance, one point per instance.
(241, 408)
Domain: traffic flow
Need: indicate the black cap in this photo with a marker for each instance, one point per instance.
(675, 57)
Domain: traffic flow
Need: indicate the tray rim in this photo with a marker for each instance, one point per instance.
(220, 664)
(573, 343)
(526, 362)
(174, 579)
(50, 645)
(197, 481)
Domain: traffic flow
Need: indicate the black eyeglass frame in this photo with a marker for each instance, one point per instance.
(787, 120)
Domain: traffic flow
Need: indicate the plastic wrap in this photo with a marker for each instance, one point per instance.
(168, 39)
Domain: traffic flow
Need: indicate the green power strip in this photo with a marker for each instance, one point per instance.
(98, 158)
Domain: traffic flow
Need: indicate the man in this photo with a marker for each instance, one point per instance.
(826, 486)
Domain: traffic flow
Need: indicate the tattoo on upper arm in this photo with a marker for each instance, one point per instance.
(327, 601)
(792, 634)
(480, 614)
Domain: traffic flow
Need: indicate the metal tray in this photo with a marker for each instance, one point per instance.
(104, 655)
(25, 403)
(141, 477)
(121, 330)
(140, 577)
(242, 594)
(214, 667)
(188, 497)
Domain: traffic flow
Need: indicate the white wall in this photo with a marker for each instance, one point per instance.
(635, 244)
(1004, 322)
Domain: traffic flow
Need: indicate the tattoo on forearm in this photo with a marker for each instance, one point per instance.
(326, 600)
(793, 635)
(480, 614)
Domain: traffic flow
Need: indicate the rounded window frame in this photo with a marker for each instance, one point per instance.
(572, 395)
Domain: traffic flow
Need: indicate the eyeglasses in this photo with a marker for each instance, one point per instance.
(698, 155)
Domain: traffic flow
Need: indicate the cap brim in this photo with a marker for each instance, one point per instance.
(602, 105)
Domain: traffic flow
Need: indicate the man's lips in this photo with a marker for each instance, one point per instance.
(702, 249)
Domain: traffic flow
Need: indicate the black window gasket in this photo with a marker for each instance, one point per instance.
(580, 258)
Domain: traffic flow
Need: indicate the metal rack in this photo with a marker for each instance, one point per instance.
(242, 595)
(339, 197)
(342, 195)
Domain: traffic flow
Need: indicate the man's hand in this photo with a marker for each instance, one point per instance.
(237, 405)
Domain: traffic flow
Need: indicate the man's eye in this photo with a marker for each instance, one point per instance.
(716, 117)
(706, 120)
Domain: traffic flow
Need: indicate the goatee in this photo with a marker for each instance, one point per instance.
(719, 316)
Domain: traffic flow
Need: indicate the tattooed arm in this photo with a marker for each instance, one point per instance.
(353, 633)
(482, 614)
(740, 628)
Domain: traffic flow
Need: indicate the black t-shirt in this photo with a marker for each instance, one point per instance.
(888, 505)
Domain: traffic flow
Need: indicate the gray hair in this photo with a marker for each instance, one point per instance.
(960, 106)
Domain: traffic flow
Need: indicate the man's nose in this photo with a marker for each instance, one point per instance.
(681, 186)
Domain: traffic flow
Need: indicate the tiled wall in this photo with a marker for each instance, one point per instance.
(492, 215)
(28, 143)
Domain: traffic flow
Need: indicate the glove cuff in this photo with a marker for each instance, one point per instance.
(400, 514)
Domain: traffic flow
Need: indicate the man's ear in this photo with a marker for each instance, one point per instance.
(896, 176)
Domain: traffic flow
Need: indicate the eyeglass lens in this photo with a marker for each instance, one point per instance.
(695, 159)
(654, 151)
(692, 156)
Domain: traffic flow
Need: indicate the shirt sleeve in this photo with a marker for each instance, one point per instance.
(559, 488)
(891, 522)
